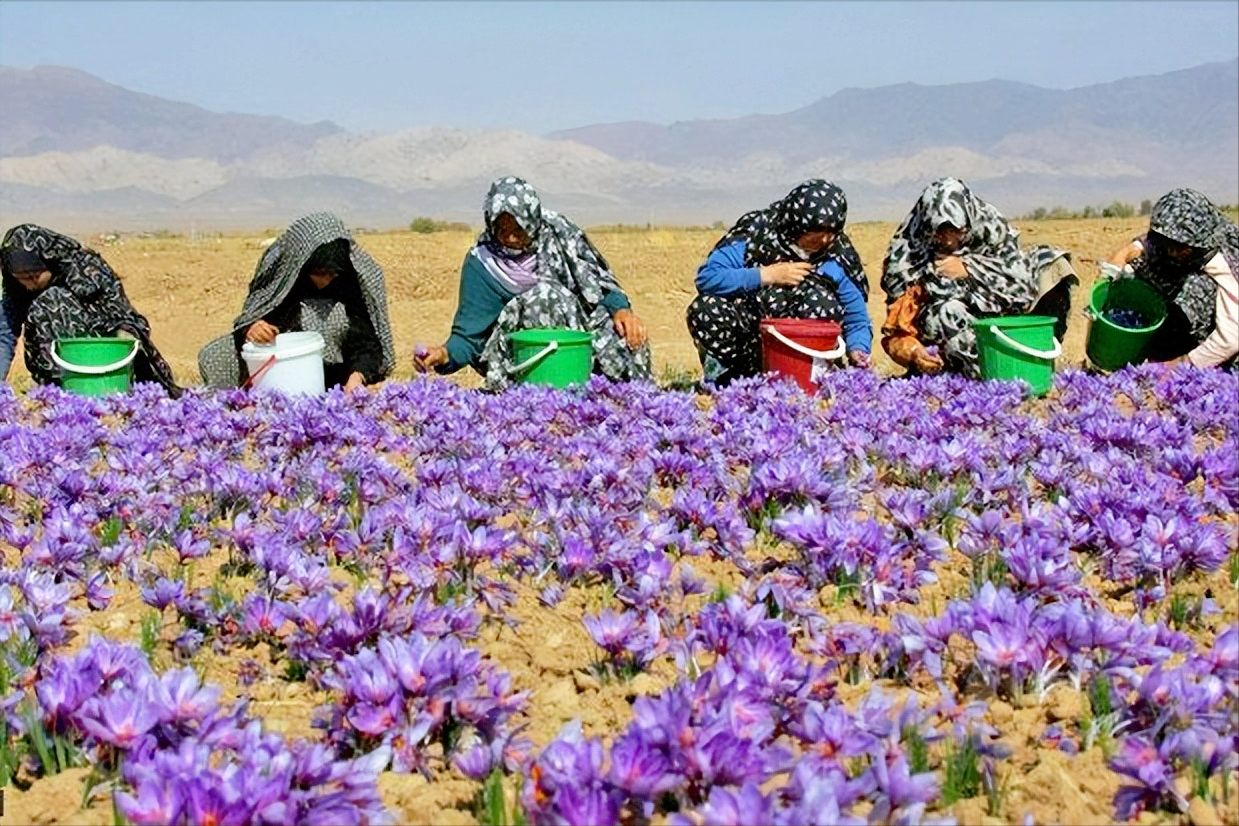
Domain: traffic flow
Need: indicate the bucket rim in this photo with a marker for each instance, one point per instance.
(95, 340)
(564, 336)
(313, 343)
(1016, 321)
(786, 322)
(1097, 313)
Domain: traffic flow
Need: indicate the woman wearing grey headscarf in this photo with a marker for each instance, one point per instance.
(532, 267)
(955, 259)
(1190, 255)
(313, 278)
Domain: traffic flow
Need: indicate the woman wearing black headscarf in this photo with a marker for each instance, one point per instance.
(313, 278)
(1190, 255)
(55, 288)
(790, 260)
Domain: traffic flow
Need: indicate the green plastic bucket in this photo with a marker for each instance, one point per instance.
(1018, 347)
(552, 356)
(1111, 346)
(95, 366)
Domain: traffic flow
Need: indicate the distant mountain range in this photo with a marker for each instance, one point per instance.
(85, 154)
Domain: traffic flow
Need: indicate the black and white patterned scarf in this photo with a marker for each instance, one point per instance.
(1189, 218)
(1002, 278)
(564, 253)
(812, 206)
(281, 264)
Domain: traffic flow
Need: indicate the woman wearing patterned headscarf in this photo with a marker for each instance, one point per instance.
(790, 260)
(53, 288)
(954, 259)
(532, 267)
(313, 278)
(1190, 255)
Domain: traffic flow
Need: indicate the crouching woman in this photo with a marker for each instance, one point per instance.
(314, 278)
(790, 260)
(54, 288)
(533, 268)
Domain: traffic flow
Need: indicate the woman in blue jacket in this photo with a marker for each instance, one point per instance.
(790, 260)
(532, 267)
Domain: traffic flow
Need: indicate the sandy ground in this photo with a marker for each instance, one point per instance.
(190, 290)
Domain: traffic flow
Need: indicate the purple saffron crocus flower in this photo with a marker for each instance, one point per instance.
(153, 804)
(119, 719)
(181, 696)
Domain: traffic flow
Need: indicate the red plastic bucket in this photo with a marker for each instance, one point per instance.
(798, 347)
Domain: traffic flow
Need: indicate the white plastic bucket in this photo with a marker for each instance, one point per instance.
(292, 365)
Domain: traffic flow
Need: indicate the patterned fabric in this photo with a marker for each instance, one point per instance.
(1002, 278)
(1186, 217)
(85, 298)
(771, 233)
(564, 253)
(725, 328)
(274, 278)
(573, 278)
(551, 304)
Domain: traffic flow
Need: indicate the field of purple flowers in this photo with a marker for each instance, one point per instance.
(897, 601)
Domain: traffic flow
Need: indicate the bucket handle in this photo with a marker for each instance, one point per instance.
(257, 374)
(1053, 353)
(536, 357)
(94, 370)
(836, 353)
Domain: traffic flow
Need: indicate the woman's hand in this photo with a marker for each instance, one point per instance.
(629, 327)
(859, 358)
(1126, 255)
(785, 273)
(926, 360)
(262, 332)
(952, 267)
(427, 357)
(355, 380)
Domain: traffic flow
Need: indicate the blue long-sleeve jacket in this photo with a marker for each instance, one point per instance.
(12, 316)
(724, 273)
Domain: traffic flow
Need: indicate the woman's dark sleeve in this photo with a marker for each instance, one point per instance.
(362, 350)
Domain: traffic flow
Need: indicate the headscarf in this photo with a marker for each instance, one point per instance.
(1001, 279)
(812, 206)
(79, 270)
(15, 259)
(564, 253)
(311, 239)
(1188, 217)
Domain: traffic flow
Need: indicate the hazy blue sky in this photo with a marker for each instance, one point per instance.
(551, 65)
